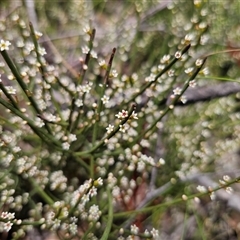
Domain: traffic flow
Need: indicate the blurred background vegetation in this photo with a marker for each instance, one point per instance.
(200, 140)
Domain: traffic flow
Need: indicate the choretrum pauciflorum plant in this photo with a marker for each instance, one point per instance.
(80, 145)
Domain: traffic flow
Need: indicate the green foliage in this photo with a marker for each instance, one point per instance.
(98, 139)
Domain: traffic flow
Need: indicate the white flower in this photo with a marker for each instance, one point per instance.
(42, 51)
(192, 83)
(183, 99)
(134, 115)
(86, 88)
(73, 228)
(51, 118)
(4, 45)
(150, 78)
(177, 91)
(94, 213)
(85, 50)
(199, 62)
(110, 128)
(189, 37)
(226, 178)
(86, 29)
(189, 70)
(229, 190)
(205, 71)
(122, 114)
(134, 229)
(201, 189)
(7, 226)
(161, 161)
(94, 54)
(141, 166)
(178, 55)
(165, 59)
(4, 215)
(66, 146)
(39, 122)
(114, 73)
(105, 99)
(92, 192)
(102, 63)
(171, 73)
(11, 90)
(155, 233)
(79, 102)
(38, 34)
(98, 182)
(122, 128)
(72, 137)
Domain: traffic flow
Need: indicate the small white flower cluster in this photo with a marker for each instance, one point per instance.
(94, 213)
(154, 233)
(224, 181)
(140, 161)
(150, 78)
(84, 88)
(80, 192)
(11, 90)
(39, 122)
(6, 226)
(51, 117)
(113, 73)
(58, 181)
(82, 196)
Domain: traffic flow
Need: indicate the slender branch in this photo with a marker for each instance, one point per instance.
(9, 96)
(88, 55)
(105, 139)
(40, 132)
(172, 104)
(172, 62)
(22, 84)
(215, 188)
(110, 216)
(100, 104)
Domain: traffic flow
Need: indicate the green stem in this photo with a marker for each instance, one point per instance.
(80, 80)
(88, 55)
(9, 96)
(176, 99)
(103, 141)
(22, 84)
(110, 216)
(41, 133)
(41, 192)
(33, 35)
(100, 104)
(174, 202)
(92, 167)
(158, 76)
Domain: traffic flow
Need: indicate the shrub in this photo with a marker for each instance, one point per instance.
(102, 149)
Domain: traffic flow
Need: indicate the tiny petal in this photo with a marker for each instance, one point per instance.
(4, 45)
